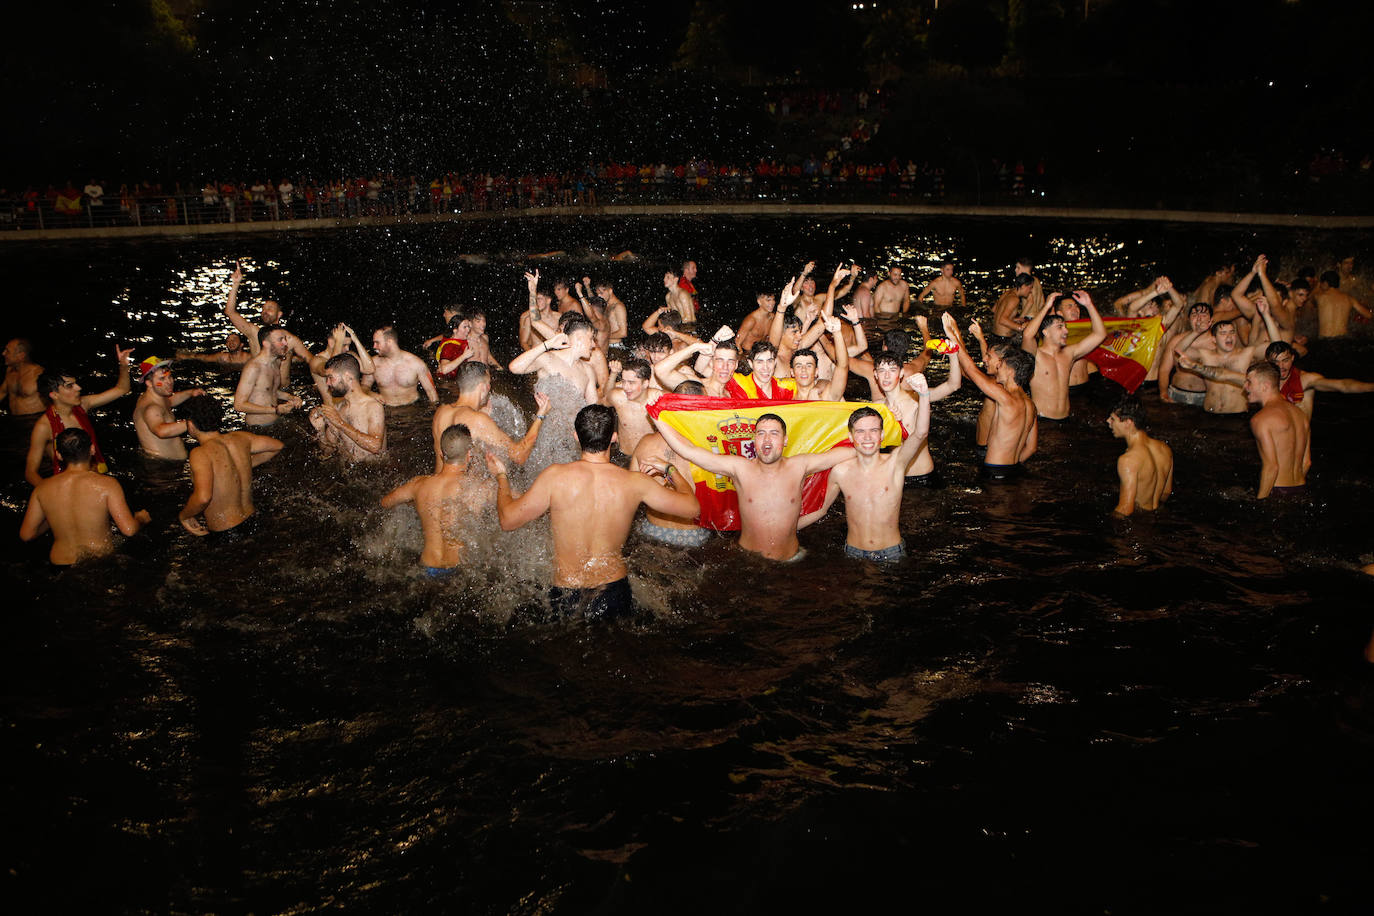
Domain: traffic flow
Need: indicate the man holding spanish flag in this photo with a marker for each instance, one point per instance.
(760, 384)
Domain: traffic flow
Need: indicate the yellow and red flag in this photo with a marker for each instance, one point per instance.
(1128, 351)
(726, 426)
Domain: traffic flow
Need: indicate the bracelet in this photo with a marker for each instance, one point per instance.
(540, 416)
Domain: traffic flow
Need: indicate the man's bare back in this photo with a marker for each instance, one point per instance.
(78, 505)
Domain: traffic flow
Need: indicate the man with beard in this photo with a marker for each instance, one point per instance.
(235, 352)
(355, 424)
(397, 372)
(271, 317)
(21, 378)
(259, 396)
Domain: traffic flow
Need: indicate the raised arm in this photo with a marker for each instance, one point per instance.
(1099, 331)
(528, 361)
(702, 458)
(1033, 328)
(365, 359)
(984, 383)
(669, 371)
(835, 390)
(121, 385)
(231, 311)
(921, 428)
(954, 381)
(1211, 373)
(650, 324)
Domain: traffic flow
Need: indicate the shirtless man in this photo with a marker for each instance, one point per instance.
(471, 411)
(1282, 434)
(1299, 386)
(769, 485)
(892, 297)
(221, 469)
(872, 482)
(21, 378)
(563, 298)
(397, 371)
(235, 352)
(259, 396)
(1176, 384)
(805, 369)
(724, 355)
(761, 383)
(888, 376)
(1334, 306)
(1036, 299)
(1014, 433)
(478, 339)
(566, 354)
(443, 500)
(159, 433)
(1146, 468)
(540, 307)
(354, 426)
(757, 323)
(1054, 358)
(341, 340)
(944, 288)
(271, 317)
(1223, 397)
(68, 409)
(591, 504)
(617, 324)
(677, 298)
(863, 294)
(629, 399)
(1006, 314)
(1207, 289)
(78, 505)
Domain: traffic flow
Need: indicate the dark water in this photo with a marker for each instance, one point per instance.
(1043, 706)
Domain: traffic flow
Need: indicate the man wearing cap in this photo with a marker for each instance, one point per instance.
(159, 433)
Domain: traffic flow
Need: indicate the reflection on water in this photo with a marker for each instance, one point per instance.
(301, 722)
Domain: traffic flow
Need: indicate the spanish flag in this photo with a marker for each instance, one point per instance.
(1128, 351)
(726, 427)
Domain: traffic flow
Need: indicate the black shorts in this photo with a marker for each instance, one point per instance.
(930, 481)
(1001, 471)
(604, 602)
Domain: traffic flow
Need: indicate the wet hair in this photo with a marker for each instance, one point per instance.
(454, 442)
(51, 380)
(1023, 280)
(457, 319)
(475, 312)
(1265, 369)
(571, 323)
(266, 331)
(766, 294)
(1133, 409)
(1279, 348)
(1222, 293)
(603, 284)
(727, 345)
(346, 363)
(1049, 321)
(860, 414)
(1003, 345)
(204, 411)
(658, 341)
(472, 374)
(1298, 284)
(73, 446)
(898, 342)
(761, 347)
(805, 353)
(775, 418)
(790, 320)
(1221, 324)
(1331, 279)
(595, 425)
(1200, 307)
(242, 342)
(672, 271)
(946, 263)
(389, 331)
(671, 320)
(690, 386)
(639, 367)
(1022, 365)
(888, 358)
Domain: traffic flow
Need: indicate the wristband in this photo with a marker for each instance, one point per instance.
(540, 416)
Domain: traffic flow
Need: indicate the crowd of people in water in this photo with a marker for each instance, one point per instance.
(600, 451)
